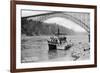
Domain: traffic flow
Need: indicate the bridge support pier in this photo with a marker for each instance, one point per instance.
(89, 38)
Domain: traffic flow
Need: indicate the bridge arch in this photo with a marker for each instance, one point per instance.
(43, 17)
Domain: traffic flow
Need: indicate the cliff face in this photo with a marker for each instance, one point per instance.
(31, 28)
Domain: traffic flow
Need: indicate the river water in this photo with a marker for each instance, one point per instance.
(35, 49)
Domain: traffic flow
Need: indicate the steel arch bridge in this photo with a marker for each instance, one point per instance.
(72, 17)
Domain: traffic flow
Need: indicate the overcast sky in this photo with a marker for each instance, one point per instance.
(30, 12)
(61, 21)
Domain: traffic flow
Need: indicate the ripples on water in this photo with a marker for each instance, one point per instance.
(56, 54)
(33, 50)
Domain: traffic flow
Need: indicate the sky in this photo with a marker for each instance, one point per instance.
(58, 20)
(32, 12)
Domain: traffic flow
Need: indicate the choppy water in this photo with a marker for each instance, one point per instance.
(35, 49)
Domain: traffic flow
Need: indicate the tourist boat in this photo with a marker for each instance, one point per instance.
(59, 42)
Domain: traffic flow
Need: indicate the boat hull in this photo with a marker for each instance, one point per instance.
(52, 46)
